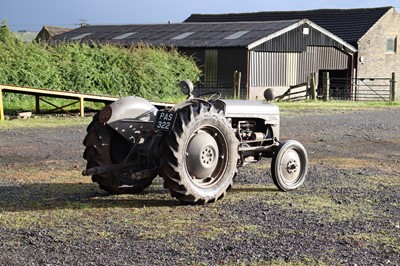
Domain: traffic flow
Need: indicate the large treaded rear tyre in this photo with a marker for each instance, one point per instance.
(199, 157)
(105, 147)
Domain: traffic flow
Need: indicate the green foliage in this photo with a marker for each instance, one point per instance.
(5, 32)
(152, 73)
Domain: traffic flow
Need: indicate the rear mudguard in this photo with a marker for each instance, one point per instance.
(132, 117)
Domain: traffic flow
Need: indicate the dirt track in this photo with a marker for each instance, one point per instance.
(348, 211)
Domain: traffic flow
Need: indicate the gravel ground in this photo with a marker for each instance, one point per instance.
(347, 213)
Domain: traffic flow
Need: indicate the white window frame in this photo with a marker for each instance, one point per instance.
(391, 44)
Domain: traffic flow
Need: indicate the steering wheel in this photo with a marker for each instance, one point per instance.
(214, 95)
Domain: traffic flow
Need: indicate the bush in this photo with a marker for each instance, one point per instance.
(152, 73)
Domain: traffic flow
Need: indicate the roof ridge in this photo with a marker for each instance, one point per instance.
(299, 11)
(350, 24)
(194, 23)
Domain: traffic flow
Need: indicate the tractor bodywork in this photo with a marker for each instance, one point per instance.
(196, 146)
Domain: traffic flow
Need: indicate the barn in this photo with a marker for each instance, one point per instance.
(372, 31)
(267, 54)
(48, 32)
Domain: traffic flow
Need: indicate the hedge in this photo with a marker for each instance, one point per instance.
(149, 72)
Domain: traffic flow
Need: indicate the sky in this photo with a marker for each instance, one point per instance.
(32, 15)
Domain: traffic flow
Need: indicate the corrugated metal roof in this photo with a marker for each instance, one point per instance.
(204, 35)
(53, 31)
(123, 36)
(179, 35)
(81, 36)
(348, 24)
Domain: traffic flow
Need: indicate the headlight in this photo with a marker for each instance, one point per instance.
(186, 87)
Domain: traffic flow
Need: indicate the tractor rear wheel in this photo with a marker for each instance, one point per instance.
(106, 147)
(199, 157)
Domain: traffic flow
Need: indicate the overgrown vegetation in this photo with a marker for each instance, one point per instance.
(152, 73)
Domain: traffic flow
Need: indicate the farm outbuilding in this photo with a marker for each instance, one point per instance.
(373, 32)
(272, 54)
(48, 32)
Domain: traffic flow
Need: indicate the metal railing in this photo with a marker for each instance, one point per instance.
(347, 89)
(361, 89)
(225, 85)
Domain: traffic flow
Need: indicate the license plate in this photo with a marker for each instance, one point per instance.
(165, 120)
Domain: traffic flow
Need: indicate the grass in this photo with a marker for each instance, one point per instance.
(341, 105)
(98, 217)
(374, 239)
(292, 108)
(71, 208)
(295, 108)
(317, 202)
(44, 122)
(13, 103)
(64, 198)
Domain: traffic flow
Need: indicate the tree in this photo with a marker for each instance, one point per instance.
(5, 32)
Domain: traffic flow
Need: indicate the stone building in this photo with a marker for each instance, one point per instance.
(378, 51)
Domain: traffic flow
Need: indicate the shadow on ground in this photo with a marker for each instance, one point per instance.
(47, 196)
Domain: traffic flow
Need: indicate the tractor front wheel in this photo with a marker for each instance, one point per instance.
(289, 165)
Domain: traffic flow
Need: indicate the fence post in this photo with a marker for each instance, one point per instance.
(82, 106)
(325, 86)
(236, 84)
(1, 105)
(393, 87)
(37, 104)
(313, 86)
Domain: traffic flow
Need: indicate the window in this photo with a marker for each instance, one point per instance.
(391, 43)
(211, 67)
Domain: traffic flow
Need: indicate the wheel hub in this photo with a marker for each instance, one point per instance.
(291, 166)
(290, 162)
(207, 155)
(202, 155)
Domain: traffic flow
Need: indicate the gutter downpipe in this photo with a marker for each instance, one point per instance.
(248, 75)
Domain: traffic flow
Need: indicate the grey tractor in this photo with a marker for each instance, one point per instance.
(196, 146)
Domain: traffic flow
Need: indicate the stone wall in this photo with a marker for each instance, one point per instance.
(373, 59)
